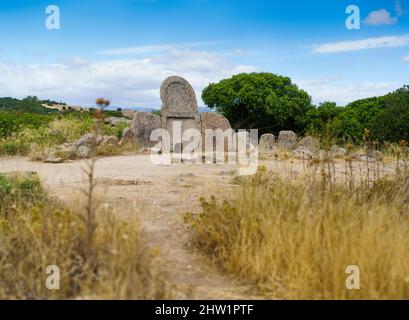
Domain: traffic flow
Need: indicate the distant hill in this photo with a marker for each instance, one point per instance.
(201, 109)
(35, 105)
(29, 104)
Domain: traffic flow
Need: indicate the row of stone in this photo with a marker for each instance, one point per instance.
(307, 147)
(287, 140)
(143, 123)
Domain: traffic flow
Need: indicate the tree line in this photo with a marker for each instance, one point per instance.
(272, 103)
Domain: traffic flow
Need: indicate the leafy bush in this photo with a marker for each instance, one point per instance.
(113, 113)
(12, 122)
(321, 122)
(18, 186)
(115, 131)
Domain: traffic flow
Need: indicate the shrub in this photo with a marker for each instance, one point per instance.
(115, 131)
(72, 127)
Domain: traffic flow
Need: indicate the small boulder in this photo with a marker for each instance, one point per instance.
(338, 152)
(371, 156)
(114, 121)
(303, 153)
(309, 143)
(127, 137)
(108, 141)
(287, 140)
(54, 160)
(377, 155)
(84, 152)
(128, 114)
(87, 140)
(84, 146)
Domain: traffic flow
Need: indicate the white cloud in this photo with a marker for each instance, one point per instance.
(158, 48)
(380, 17)
(126, 82)
(370, 43)
(399, 8)
(342, 91)
(406, 58)
(241, 52)
(136, 50)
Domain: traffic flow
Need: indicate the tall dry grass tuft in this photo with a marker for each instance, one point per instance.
(105, 257)
(294, 238)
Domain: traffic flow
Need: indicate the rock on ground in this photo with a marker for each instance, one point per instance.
(114, 121)
(127, 137)
(371, 156)
(338, 152)
(86, 146)
(128, 114)
(87, 140)
(303, 153)
(54, 160)
(107, 141)
(310, 143)
(84, 152)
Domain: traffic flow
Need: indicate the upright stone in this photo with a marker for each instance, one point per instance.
(214, 121)
(266, 143)
(287, 140)
(143, 123)
(179, 108)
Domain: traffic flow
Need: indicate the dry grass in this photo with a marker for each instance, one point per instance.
(294, 238)
(110, 260)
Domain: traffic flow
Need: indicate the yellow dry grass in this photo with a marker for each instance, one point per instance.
(295, 237)
(100, 253)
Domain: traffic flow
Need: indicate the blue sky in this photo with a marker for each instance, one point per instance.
(123, 49)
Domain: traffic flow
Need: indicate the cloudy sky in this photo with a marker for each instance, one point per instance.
(123, 49)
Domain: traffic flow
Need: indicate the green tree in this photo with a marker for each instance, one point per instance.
(264, 101)
(393, 123)
(323, 116)
(358, 116)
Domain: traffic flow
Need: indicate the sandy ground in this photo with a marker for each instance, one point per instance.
(160, 196)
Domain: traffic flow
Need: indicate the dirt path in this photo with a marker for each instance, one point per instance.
(159, 196)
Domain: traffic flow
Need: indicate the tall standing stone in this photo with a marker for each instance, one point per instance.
(179, 106)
